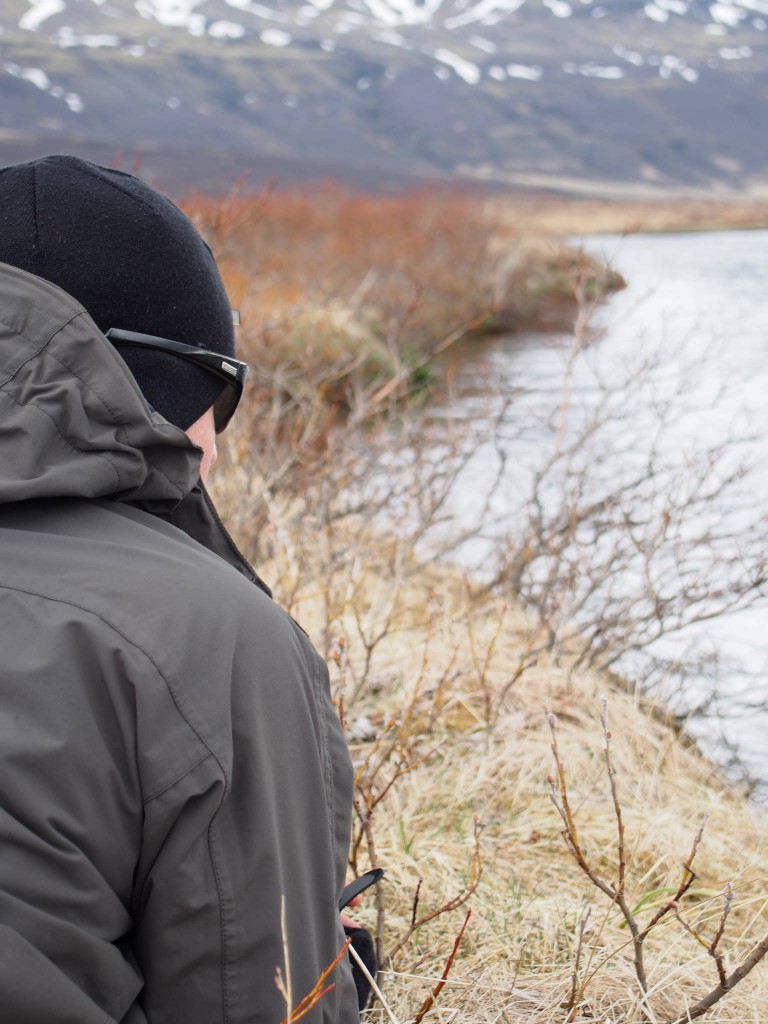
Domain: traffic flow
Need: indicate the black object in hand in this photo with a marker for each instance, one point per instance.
(360, 885)
(362, 940)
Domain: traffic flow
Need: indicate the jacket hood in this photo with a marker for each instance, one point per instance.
(73, 421)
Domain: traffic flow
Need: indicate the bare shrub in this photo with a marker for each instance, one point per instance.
(323, 274)
(338, 485)
(632, 531)
(615, 889)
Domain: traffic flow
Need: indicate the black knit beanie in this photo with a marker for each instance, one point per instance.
(132, 259)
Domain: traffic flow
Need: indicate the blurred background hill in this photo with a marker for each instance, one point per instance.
(596, 96)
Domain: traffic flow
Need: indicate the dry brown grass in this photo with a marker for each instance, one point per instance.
(426, 687)
(518, 954)
(561, 216)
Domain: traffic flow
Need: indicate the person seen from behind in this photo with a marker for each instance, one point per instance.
(175, 788)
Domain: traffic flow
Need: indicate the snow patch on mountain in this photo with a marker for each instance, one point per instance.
(482, 12)
(680, 7)
(392, 39)
(258, 10)
(40, 12)
(174, 14)
(482, 44)
(403, 12)
(226, 30)
(465, 69)
(40, 80)
(630, 56)
(531, 73)
(37, 77)
(656, 13)
(734, 52)
(756, 6)
(726, 14)
(66, 38)
(559, 8)
(591, 70)
(275, 37)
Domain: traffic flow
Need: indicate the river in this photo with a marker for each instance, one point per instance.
(675, 376)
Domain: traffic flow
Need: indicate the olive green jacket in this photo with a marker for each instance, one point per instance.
(173, 776)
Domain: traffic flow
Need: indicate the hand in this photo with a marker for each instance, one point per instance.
(346, 920)
(362, 940)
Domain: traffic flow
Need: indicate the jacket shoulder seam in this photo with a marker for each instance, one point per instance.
(121, 424)
(58, 430)
(138, 647)
(38, 347)
(44, 349)
(187, 771)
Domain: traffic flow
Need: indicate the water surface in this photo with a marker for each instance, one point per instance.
(691, 332)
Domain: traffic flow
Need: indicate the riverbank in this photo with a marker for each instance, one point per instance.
(325, 278)
(444, 689)
(568, 216)
(443, 686)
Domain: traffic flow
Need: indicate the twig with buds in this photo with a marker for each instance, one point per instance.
(616, 891)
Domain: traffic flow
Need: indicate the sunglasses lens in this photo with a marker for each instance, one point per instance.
(230, 370)
(225, 405)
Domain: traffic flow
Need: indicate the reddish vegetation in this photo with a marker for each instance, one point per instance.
(326, 275)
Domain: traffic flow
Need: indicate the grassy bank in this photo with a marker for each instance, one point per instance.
(335, 485)
(327, 278)
(444, 690)
(563, 216)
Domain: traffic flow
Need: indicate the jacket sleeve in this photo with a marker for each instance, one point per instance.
(244, 854)
(161, 819)
(177, 910)
(70, 820)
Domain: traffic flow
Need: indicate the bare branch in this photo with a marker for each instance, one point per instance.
(475, 875)
(717, 993)
(614, 794)
(429, 1002)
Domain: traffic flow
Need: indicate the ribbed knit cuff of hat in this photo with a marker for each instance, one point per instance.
(178, 390)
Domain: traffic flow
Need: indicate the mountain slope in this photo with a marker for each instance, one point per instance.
(668, 93)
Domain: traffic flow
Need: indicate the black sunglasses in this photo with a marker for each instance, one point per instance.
(233, 371)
